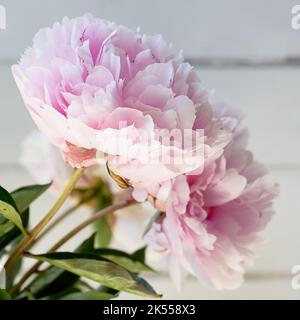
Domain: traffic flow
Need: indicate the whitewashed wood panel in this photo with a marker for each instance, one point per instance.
(233, 28)
(262, 286)
(270, 101)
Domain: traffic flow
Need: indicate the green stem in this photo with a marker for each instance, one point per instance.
(23, 245)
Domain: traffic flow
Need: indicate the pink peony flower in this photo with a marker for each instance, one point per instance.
(211, 221)
(95, 89)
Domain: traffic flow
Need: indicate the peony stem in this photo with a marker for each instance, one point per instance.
(100, 214)
(23, 245)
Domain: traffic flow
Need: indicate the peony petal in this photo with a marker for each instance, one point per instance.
(229, 188)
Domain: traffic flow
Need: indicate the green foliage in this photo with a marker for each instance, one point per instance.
(133, 263)
(24, 196)
(11, 214)
(14, 218)
(104, 232)
(7, 198)
(99, 269)
(12, 233)
(54, 280)
(104, 198)
(114, 270)
(88, 295)
(4, 295)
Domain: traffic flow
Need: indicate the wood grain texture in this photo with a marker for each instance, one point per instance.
(230, 28)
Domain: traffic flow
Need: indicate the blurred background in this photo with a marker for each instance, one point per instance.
(247, 51)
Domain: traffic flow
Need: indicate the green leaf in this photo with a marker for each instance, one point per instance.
(54, 280)
(4, 295)
(105, 289)
(24, 196)
(87, 245)
(104, 233)
(89, 295)
(153, 219)
(13, 232)
(123, 259)
(4, 227)
(96, 268)
(64, 292)
(25, 295)
(6, 197)
(8, 229)
(50, 282)
(13, 272)
(104, 199)
(10, 213)
(140, 254)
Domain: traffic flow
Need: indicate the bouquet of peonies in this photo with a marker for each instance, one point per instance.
(126, 122)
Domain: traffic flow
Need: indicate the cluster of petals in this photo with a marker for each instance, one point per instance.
(211, 223)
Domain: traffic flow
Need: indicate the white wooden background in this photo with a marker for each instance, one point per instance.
(246, 51)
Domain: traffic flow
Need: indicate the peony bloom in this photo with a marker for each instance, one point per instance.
(100, 91)
(211, 221)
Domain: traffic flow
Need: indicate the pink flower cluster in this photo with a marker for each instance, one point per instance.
(100, 91)
(211, 222)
